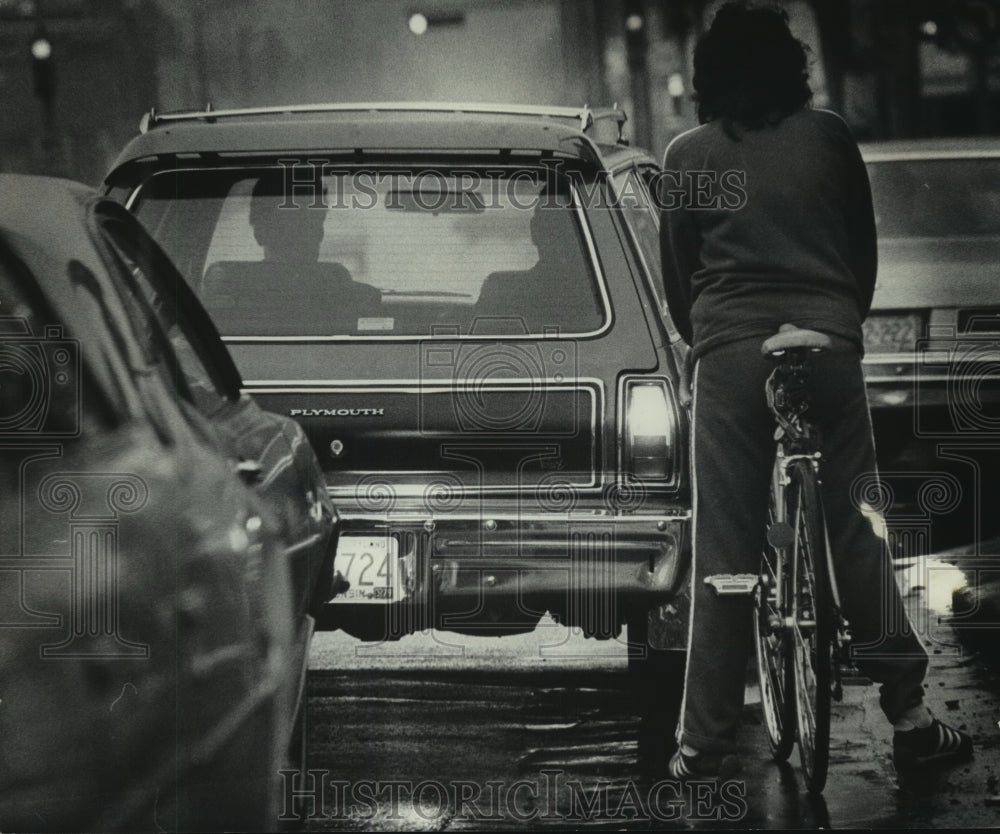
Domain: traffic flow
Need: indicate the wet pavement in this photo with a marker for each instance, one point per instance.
(446, 732)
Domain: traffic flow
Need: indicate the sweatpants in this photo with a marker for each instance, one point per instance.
(733, 450)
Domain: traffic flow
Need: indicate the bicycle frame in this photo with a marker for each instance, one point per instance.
(801, 637)
(797, 439)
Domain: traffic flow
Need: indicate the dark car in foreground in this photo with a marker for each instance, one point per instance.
(155, 623)
(270, 451)
(933, 337)
(473, 344)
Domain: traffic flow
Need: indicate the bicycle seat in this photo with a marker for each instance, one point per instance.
(789, 336)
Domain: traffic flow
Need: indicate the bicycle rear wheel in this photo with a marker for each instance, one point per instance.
(772, 638)
(813, 627)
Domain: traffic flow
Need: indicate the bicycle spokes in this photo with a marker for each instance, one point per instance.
(813, 623)
(771, 641)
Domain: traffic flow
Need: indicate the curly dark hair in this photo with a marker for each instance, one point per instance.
(749, 70)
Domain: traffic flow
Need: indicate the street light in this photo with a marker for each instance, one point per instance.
(42, 69)
(418, 23)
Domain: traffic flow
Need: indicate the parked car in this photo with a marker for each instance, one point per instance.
(475, 348)
(271, 451)
(156, 624)
(933, 337)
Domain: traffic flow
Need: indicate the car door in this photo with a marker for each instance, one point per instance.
(135, 570)
(271, 451)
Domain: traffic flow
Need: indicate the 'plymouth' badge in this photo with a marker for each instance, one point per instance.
(336, 412)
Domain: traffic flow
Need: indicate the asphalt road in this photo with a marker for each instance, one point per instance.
(443, 732)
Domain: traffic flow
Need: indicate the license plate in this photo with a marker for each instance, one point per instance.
(371, 565)
(892, 333)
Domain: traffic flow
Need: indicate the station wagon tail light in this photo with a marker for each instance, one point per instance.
(650, 431)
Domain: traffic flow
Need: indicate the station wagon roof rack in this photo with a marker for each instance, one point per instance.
(586, 116)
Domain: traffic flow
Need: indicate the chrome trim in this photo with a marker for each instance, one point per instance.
(950, 239)
(412, 386)
(310, 541)
(595, 516)
(872, 358)
(418, 490)
(37, 563)
(929, 155)
(594, 387)
(919, 378)
(602, 283)
(927, 357)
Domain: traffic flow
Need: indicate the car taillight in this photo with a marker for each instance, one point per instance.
(650, 430)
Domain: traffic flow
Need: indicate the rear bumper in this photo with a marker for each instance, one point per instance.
(936, 416)
(500, 573)
(961, 377)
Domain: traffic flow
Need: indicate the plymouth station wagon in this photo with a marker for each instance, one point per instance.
(461, 306)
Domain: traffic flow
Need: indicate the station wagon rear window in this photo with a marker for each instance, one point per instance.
(381, 254)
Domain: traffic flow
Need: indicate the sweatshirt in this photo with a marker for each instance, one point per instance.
(776, 226)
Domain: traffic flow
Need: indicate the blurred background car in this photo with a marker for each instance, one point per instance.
(470, 337)
(155, 618)
(933, 337)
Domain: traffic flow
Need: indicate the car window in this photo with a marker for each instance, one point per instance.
(150, 312)
(382, 254)
(936, 197)
(633, 190)
(634, 200)
(44, 391)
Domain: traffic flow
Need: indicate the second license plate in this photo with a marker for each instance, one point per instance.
(371, 565)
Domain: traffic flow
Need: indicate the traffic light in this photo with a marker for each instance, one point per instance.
(42, 69)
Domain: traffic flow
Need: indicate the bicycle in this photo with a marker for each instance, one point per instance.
(802, 641)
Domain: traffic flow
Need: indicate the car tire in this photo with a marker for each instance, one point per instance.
(657, 683)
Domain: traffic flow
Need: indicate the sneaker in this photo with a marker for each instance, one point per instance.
(935, 743)
(703, 766)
